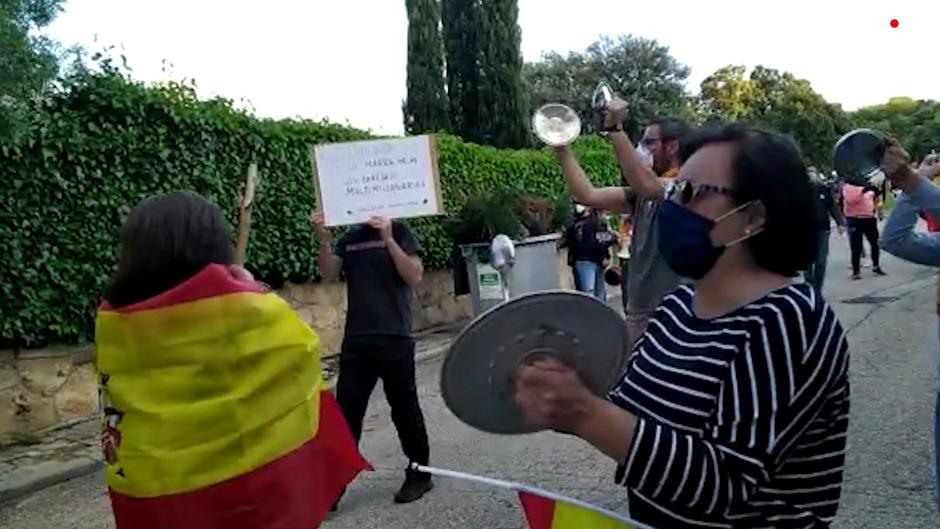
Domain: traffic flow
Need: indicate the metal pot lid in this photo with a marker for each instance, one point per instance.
(857, 155)
(602, 97)
(556, 124)
(477, 378)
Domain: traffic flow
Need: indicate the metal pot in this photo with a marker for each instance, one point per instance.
(857, 156)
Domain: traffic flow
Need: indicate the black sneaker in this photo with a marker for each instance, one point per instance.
(856, 277)
(879, 271)
(416, 485)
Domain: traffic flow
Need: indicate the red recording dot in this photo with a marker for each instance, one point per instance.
(894, 22)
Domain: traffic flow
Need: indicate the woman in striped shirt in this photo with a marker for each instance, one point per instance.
(734, 408)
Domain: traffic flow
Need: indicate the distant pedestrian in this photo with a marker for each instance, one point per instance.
(860, 210)
(623, 256)
(826, 208)
(589, 240)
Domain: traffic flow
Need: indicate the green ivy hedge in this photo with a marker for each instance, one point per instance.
(103, 142)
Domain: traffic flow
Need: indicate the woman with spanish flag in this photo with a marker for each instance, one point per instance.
(215, 410)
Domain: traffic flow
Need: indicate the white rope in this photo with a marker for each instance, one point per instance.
(517, 487)
(467, 477)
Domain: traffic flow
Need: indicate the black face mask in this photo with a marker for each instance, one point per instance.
(685, 240)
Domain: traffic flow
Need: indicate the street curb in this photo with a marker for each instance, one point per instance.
(45, 475)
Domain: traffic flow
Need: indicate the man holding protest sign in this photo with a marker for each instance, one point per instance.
(380, 263)
(363, 185)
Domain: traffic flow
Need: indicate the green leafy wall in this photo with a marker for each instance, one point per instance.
(103, 142)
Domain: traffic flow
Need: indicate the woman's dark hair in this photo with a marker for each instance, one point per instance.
(768, 168)
(165, 240)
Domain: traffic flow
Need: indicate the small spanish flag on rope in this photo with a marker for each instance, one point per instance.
(545, 510)
(550, 512)
(216, 415)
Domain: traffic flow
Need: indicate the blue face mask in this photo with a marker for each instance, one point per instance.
(685, 240)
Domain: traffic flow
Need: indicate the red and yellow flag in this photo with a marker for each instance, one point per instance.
(544, 512)
(216, 413)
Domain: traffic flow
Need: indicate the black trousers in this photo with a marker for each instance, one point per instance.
(362, 362)
(859, 229)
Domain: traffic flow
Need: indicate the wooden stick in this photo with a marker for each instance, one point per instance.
(244, 214)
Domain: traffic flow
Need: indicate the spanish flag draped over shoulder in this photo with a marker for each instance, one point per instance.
(215, 411)
(546, 512)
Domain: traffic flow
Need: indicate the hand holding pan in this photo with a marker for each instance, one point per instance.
(478, 376)
(858, 156)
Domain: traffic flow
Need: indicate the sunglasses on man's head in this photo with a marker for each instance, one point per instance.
(685, 191)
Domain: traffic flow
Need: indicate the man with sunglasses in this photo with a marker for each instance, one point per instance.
(647, 171)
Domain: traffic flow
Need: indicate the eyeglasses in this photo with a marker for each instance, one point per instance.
(685, 191)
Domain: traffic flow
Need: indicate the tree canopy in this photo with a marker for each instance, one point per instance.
(643, 72)
(639, 70)
(28, 61)
(484, 71)
(916, 124)
(778, 101)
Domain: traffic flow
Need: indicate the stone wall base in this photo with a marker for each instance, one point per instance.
(45, 388)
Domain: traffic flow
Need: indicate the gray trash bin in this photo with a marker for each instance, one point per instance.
(535, 270)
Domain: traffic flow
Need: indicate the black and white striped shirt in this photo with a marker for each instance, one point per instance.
(741, 420)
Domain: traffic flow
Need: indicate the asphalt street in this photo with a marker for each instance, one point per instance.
(889, 481)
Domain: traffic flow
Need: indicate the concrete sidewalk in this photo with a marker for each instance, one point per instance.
(59, 455)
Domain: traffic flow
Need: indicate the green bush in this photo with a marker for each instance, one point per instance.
(103, 142)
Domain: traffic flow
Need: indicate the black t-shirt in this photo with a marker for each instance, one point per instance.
(379, 300)
(588, 240)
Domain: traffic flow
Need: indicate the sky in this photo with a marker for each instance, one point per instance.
(345, 60)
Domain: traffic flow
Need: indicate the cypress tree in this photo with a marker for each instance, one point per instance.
(503, 104)
(425, 107)
(484, 71)
(460, 20)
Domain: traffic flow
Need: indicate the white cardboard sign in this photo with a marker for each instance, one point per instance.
(395, 178)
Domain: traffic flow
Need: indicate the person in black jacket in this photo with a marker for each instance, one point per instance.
(588, 241)
(826, 208)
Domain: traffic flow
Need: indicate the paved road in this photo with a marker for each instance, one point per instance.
(889, 477)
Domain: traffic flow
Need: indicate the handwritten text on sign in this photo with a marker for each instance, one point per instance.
(393, 178)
